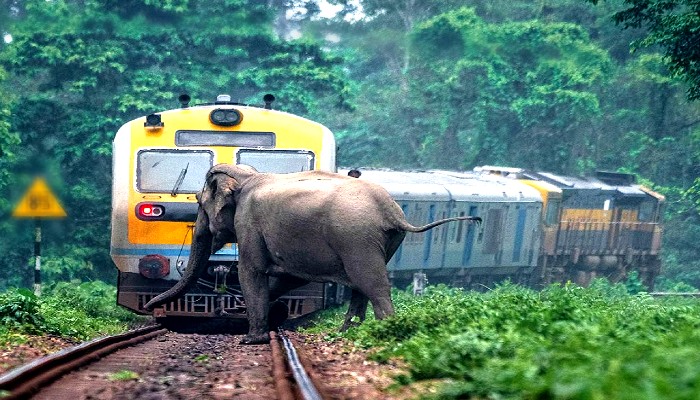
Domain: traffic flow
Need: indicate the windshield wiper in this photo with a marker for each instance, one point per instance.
(179, 180)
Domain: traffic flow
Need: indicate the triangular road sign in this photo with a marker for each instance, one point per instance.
(39, 202)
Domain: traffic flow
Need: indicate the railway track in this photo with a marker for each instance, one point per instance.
(156, 363)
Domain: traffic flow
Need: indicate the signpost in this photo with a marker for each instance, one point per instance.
(38, 203)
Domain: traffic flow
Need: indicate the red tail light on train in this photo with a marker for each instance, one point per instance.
(148, 211)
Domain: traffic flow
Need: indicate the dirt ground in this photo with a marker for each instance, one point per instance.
(14, 355)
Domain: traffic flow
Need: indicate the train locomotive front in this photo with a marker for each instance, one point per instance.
(159, 164)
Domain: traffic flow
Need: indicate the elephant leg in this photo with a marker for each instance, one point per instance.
(357, 307)
(279, 311)
(368, 274)
(254, 285)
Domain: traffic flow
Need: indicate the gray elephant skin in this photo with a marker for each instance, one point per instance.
(296, 228)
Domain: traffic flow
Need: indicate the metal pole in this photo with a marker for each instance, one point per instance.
(37, 256)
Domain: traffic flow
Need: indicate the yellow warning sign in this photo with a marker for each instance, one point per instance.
(39, 202)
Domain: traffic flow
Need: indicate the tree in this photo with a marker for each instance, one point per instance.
(674, 25)
(79, 69)
(508, 93)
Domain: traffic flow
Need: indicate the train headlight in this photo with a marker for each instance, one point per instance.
(225, 117)
(153, 122)
(154, 266)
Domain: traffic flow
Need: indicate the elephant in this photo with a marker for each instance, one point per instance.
(291, 229)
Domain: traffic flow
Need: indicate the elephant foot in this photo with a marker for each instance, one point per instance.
(250, 338)
(349, 324)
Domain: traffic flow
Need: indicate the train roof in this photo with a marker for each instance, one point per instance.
(250, 111)
(449, 185)
(624, 188)
(604, 181)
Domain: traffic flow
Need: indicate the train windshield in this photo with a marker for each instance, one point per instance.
(277, 161)
(172, 171)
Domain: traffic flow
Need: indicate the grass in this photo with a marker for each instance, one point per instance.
(564, 342)
(73, 310)
(124, 375)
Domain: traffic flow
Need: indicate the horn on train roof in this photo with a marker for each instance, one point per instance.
(184, 100)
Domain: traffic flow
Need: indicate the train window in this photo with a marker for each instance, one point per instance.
(552, 214)
(172, 171)
(225, 138)
(606, 205)
(442, 231)
(646, 211)
(277, 161)
(460, 227)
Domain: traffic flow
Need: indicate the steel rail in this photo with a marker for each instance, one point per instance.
(26, 380)
(307, 387)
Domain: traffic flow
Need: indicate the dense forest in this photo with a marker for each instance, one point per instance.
(567, 86)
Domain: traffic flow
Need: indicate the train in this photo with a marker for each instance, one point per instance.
(538, 228)
(159, 164)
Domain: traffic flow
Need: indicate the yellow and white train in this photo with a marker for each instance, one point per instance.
(159, 164)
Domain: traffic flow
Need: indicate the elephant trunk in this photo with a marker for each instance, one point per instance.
(200, 251)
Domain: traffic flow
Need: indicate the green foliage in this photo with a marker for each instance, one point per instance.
(562, 342)
(672, 25)
(538, 77)
(19, 310)
(74, 310)
(97, 299)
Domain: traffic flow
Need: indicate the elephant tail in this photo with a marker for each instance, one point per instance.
(404, 225)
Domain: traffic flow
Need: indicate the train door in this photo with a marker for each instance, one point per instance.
(519, 233)
(493, 229)
(427, 244)
(469, 236)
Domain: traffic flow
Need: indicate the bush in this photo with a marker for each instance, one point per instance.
(19, 310)
(562, 342)
(73, 310)
(97, 299)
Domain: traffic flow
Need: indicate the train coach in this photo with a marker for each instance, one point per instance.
(505, 245)
(160, 163)
(538, 228)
